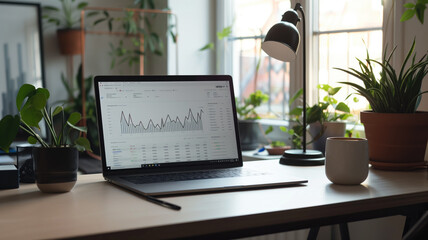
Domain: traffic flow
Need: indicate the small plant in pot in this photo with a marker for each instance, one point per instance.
(396, 132)
(277, 147)
(56, 161)
(250, 130)
(325, 118)
(67, 19)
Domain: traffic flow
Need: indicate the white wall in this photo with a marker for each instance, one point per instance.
(196, 21)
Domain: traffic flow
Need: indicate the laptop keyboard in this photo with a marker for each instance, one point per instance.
(185, 176)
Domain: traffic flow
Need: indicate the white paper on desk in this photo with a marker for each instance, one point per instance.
(6, 160)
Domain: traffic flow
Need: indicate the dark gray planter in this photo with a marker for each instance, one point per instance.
(55, 168)
(250, 133)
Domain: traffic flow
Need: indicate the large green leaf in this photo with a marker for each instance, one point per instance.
(408, 14)
(83, 144)
(296, 111)
(342, 107)
(313, 114)
(31, 116)
(74, 118)
(9, 126)
(37, 101)
(25, 91)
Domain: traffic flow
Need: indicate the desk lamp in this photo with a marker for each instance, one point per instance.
(281, 42)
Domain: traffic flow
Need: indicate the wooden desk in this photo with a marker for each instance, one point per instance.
(95, 208)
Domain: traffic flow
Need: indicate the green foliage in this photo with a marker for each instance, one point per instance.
(73, 103)
(328, 110)
(281, 143)
(224, 33)
(31, 105)
(278, 144)
(412, 9)
(68, 16)
(393, 92)
(131, 24)
(247, 109)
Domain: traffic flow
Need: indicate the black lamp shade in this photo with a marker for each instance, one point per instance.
(282, 41)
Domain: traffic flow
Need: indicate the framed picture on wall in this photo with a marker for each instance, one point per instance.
(21, 51)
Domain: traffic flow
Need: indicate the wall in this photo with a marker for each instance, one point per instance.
(196, 21)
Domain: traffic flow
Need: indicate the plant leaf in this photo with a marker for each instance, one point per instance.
(342, 107)
(224, 33)
(31, 140)
(50, 8)
(91, 14)
(9, 126)
(82, 142)
(269, 130)
(209, 46)
(80, 129)
(420, 9)
(74, 118)
(295, 96)
(408, 14)
(25, 91)
(37, 101)
(409, 5)
(57, 110)
(82, 5)
(31, 116)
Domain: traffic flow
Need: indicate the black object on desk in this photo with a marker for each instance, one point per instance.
(8, 177)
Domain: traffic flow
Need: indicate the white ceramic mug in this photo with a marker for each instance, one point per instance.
(346, 160)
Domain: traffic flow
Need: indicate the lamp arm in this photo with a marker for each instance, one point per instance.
(299, 8)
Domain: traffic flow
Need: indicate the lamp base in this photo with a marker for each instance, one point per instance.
(296, 157)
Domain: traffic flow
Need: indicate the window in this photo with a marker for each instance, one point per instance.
(252, 68)
(341, 31)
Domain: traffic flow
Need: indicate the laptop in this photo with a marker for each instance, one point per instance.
(163, 135)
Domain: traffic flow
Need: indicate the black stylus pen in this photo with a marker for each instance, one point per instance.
(160, 202)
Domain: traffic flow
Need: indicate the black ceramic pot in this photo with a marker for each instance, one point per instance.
(55, 168)
(250, 133)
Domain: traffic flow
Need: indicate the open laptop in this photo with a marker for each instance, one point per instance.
(164, 135)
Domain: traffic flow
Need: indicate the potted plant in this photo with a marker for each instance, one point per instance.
(66, 19)
(397, 133)
(277, 147)
(55, 161)
(324, 118)
(250, 130)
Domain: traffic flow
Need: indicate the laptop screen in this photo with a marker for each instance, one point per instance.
(154, 122)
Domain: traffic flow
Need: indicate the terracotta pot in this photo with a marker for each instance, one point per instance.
(397, 141)
(69, 41)
(331, 129)
(277, 150)
(55, 168)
